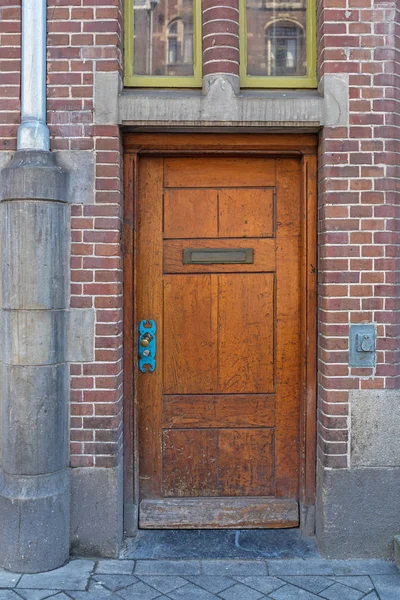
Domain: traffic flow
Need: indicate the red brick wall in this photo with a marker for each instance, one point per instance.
(220, 37)
(358, 211)
(10, 66)
(85, 37)
(358, 207)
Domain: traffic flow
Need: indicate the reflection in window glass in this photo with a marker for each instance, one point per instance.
(163, 37)
(276, 38)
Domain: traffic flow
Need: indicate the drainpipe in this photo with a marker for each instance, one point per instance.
(34, 298)
(33, 133)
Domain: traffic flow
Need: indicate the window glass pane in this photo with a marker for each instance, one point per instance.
(163, 37)
(276, 38)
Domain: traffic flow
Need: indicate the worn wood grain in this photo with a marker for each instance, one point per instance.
(223, 143)
(129, 328)
(218, 411)
(150, 306)
(288, 351)
(246, 462)
(218, 172)
(190, 337)
(190, 462)
(245, 212)
(228, 343)
(246, 341)
(190, 213)
(309, 334)
(218, 513)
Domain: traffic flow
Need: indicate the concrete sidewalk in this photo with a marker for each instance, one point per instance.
(144, 579)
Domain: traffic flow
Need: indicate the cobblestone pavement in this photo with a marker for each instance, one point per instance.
(293, 579)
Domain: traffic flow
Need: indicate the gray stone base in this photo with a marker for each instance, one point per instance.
(358, 512)
(34, 521)
(397, 550)
(96, 511)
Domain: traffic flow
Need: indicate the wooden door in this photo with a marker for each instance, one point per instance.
(218, 259)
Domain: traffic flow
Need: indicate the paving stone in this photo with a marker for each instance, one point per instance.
(387, 586)
(341, 592)
(8, 579)
(139, 591)
(192, 592)
(115, 582)
(363, 567)
(35, 594)
(95, 586)
(249, 568)
(262, 584)
(163, 584)
(371, 596)
(113, 567)
(359, 582)
(212, 584)
(167, 567)
(96, 592)
(73, 576)
(290, 592)
(8, 595)
(312, 566)
(61, 596)
(311, 583)
(240, 591)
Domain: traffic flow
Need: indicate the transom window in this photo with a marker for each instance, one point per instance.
(277, 43)
(165, 48)
(163, 43)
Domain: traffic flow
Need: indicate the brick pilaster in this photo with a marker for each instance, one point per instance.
(220, 38)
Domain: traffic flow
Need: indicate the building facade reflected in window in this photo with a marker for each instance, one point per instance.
(163, 38)
(276, 38)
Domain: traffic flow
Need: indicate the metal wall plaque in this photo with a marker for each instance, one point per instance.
(210, 256)
(362, 345)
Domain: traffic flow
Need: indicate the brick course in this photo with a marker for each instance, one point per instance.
(358, 198)
(358, 215)
(220, 37)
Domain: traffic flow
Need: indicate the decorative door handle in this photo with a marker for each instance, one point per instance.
(147, 346)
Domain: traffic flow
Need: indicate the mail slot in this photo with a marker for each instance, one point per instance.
(218, 256)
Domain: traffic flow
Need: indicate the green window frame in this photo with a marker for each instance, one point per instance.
(157, 81)
(264, 81)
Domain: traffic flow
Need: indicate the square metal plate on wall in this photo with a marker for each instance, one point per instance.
(362, 345)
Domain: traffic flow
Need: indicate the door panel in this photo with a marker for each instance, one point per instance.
(218, 411)
(231, 172)
(219, 417)
(190, 213)
(219, 462)
(189, 333)
(245, 325)
(245, 212)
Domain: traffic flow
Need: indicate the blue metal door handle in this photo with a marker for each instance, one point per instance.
(147, 345)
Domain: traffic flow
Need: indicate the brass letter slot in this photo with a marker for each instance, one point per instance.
(209, 256)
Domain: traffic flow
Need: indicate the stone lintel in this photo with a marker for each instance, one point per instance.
(221, 105)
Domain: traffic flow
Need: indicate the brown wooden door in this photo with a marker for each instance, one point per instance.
(219, 417)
